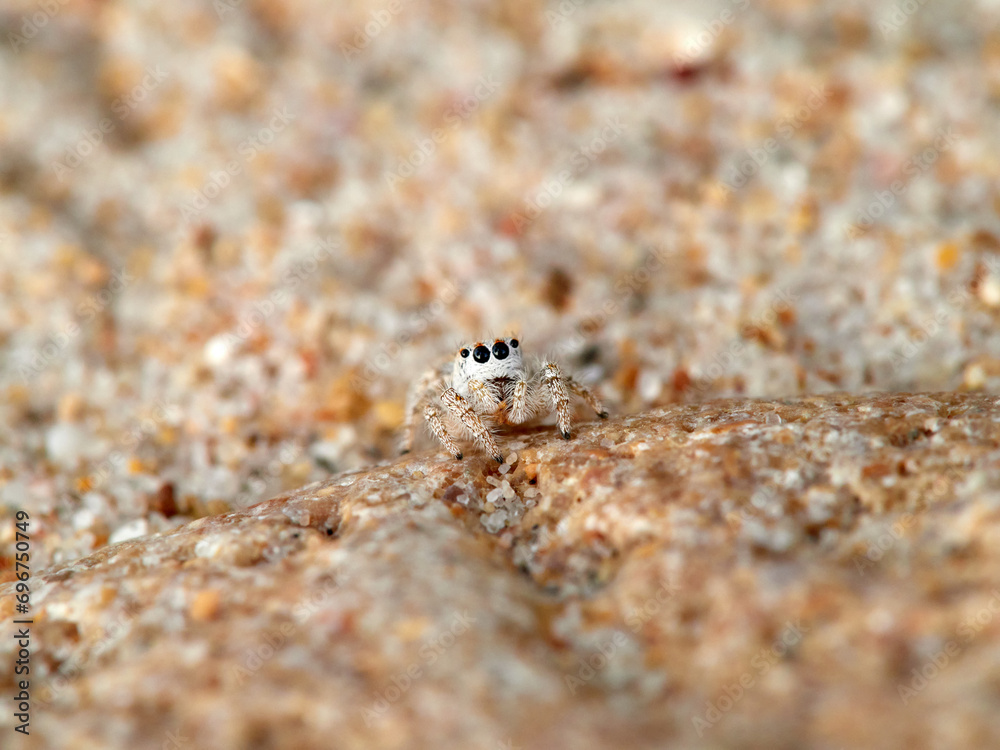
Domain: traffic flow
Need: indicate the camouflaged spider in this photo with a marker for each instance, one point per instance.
(487, 387)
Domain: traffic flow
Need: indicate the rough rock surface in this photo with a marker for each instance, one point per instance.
(810, 572)
(209, 305)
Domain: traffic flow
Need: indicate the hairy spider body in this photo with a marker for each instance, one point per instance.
(486, 386)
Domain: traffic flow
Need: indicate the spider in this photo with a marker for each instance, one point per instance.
(490, 386)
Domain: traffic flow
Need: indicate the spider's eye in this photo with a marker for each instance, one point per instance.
(513, 343)
(500, 350)
(464, 353)
(481, 354)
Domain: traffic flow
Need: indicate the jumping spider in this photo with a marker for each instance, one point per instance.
(489, 386)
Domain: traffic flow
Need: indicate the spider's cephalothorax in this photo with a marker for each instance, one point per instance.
(488, 384)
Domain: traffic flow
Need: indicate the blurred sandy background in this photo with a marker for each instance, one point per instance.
(232, 233)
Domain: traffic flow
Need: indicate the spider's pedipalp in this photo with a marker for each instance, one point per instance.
(483, 395)
(521, 408)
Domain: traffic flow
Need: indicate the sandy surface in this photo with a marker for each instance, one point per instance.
(232, 234)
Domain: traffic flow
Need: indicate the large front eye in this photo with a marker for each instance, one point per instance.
(500, 350)
(481, 354)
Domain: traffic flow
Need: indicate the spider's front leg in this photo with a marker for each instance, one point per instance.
(440, 432)
(472, 421)
(556, 384)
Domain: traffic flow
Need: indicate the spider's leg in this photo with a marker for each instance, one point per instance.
(556, 384)
(587, 395)
(437, 427)
(521, 406)
(459, 407)
(415, 402)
